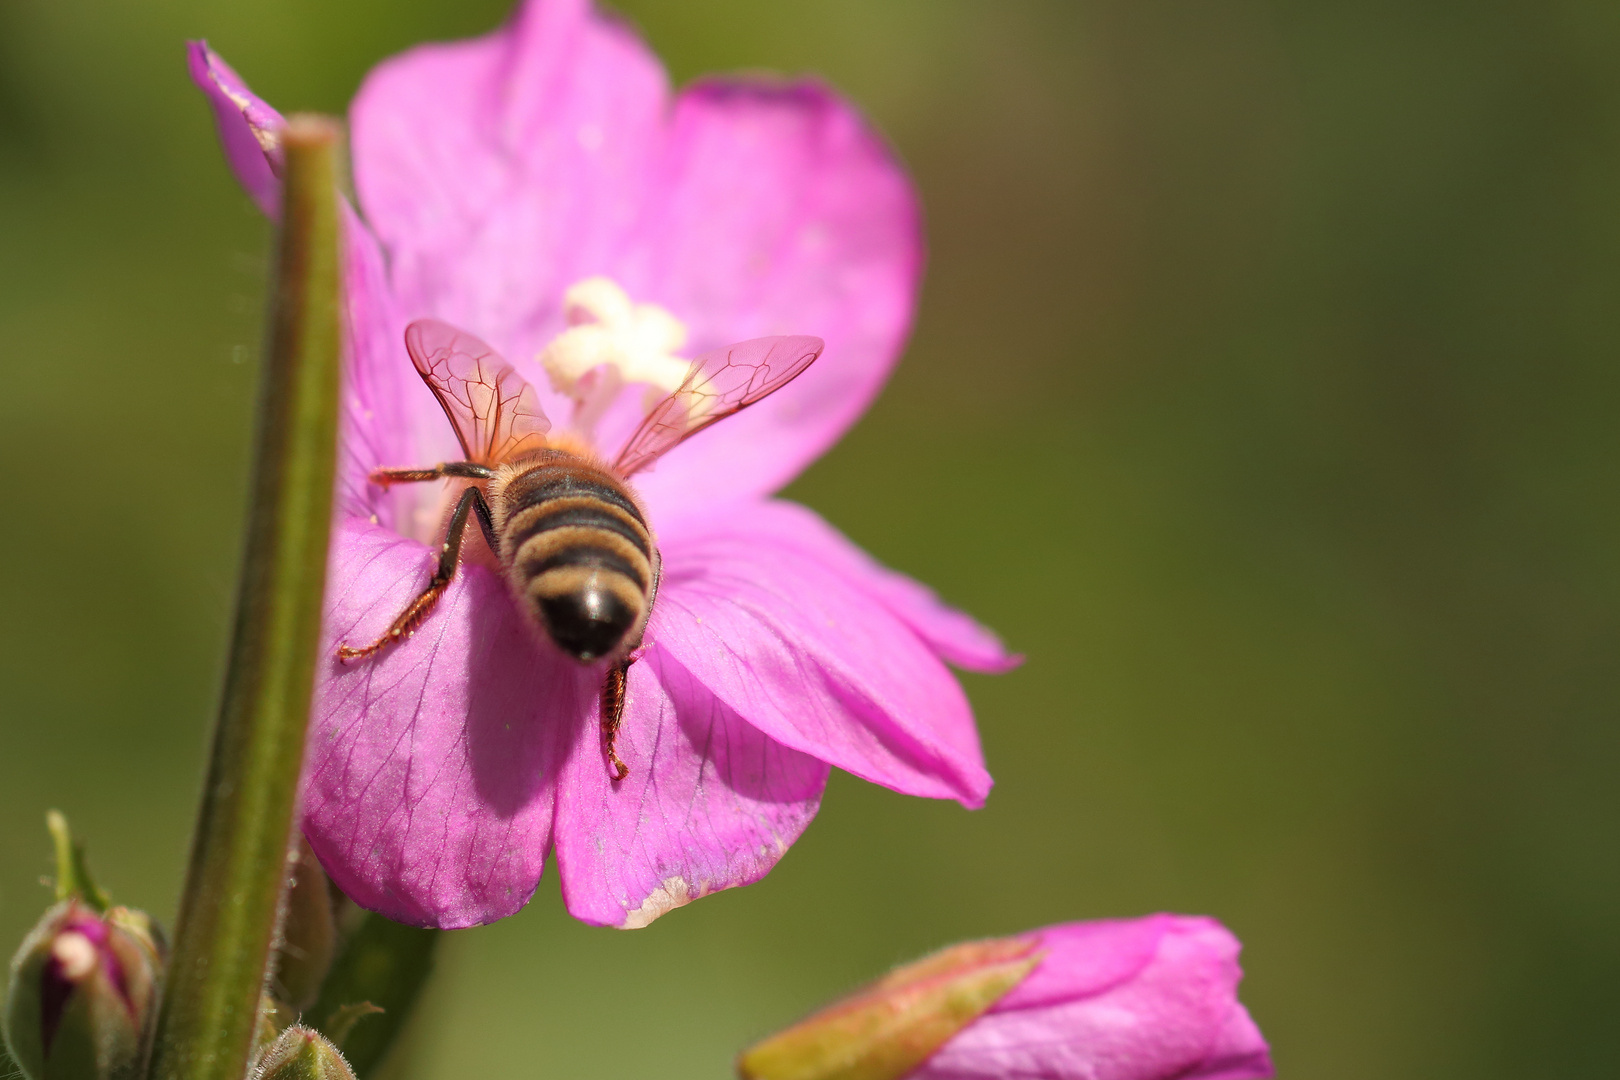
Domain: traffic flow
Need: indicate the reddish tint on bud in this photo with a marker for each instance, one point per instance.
(79, 947)
(1137, 999)
(82, 991)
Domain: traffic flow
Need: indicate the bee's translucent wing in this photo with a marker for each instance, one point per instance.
(718, 384)
(494, 410)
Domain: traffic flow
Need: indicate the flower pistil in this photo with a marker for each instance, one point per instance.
(612, 342)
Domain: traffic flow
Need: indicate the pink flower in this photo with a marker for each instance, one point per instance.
(540, 188)
(1132, 999)
(1137, 999)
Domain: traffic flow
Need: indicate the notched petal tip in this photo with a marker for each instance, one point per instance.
(710, 803)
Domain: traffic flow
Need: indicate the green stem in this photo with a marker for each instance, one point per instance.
(232, 898)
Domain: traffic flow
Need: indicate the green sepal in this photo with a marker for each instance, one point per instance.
(309, 934)
(341, 1023)
(892, 1026)
(302, 1053)
(72, 871)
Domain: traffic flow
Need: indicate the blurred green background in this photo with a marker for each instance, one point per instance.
(1276, 345)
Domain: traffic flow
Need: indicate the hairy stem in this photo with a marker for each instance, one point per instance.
(232, 898)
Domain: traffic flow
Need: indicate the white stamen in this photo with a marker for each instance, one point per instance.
(75, 953)
(609, 343)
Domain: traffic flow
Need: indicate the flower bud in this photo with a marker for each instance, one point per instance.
(309, 935)
(892, 1026)
(301, 1053)
(1139, 999)
(82, 992)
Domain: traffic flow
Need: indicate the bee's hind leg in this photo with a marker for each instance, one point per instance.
(613, 692)
(449, 556)
(613, 688)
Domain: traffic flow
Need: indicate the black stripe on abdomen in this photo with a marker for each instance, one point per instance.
(575, 512)
(547, 482)
(579, 553)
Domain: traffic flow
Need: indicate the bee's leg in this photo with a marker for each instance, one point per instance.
(613, 690)
(449, 555)
(486, 522)
(613, 715)
(466, 470)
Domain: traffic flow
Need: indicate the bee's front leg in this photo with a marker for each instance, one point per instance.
(465, 470)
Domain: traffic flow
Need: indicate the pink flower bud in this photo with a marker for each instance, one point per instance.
(82, 991)
(1140, 999)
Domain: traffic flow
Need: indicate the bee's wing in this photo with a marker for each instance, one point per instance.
(494, 410)
(718, 384)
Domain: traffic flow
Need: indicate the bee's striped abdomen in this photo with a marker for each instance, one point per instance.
(578, 553)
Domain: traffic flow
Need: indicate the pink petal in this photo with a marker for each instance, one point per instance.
(806, 656)
(710, 803)
(1144, 999)
(248, 128)
(389, 418)
(375, 420)
(428, 790)
(953, 634)
(1084, 959)
(384, 417)
(499, 171)
(785, 214)
(1240, 1051)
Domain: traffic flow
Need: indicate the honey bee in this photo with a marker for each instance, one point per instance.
(569, 532)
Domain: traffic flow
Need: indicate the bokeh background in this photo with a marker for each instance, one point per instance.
(1263, 393)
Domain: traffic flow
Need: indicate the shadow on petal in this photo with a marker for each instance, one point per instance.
(426, 791)
(527, 704)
